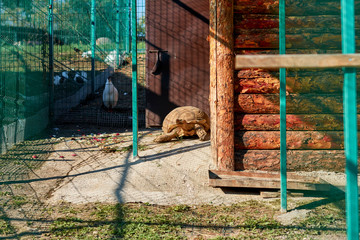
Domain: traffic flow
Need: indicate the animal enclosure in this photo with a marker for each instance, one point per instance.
(55, 59)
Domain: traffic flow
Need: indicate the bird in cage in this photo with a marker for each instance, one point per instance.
(57, 80)
(110, 94)
(64, 76)
(61, 79)
(80, 77)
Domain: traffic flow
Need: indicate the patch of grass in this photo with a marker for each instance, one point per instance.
(179, 208)
(18, 201)
(147, 221)
(5, 227)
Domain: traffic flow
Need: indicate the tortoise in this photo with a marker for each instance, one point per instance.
(185, 121)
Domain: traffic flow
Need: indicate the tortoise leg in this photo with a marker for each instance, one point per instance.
(200, 131)
(166, 137)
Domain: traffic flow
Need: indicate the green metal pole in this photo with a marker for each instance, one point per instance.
(93, 44)
(127, 26)
(134, 79)
(51, 61)
(282, 49)
(350, 121)
(117, 32)
(2, 93)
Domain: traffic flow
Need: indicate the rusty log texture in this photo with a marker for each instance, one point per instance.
(304, 81)
(293, 8)
(222, 71)
(296, 140)
(213, 81)
(309, 24)
(296, 103)
(314, 96)
(297, 160)
(294, 122)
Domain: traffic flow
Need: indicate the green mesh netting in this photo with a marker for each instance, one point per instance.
(29, 91)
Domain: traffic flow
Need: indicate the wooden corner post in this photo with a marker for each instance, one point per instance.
(222, 84)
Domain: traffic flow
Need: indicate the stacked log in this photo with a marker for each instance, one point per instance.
(314, 97)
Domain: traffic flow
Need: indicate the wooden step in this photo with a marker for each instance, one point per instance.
(264, 180)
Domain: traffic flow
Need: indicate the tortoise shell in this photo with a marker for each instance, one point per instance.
(186, 117)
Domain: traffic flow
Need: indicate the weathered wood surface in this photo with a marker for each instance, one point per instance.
(223, 104)
(314, 98)
(304, 81)
(295, 103)
(260, 39)
(293, 8)
(302, 122)
(288, 51)
(294, 24)
(295, 140)
(266, 183)
(297, 61)
(213, 80)
(259, 179)
(297, 160)
(293, 176)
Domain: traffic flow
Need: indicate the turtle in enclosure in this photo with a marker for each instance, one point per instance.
(185, 121)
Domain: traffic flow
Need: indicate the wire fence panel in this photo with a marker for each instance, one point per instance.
(23, 84)
(28, 95)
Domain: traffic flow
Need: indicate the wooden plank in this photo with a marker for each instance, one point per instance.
(298, 160)
(296, 103)
(303, 40)
(294, 122)
(266, 183)
(296, 140)
(311, 7)
(297, 81)
(294, 24)
(297, 61)
(221, 174)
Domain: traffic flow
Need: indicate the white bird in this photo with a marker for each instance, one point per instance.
(80, 78)
(84, 76)
(77, 78)
(57, 80)
(111, 59)
(110, 94)
(65, 74)
(86, 54)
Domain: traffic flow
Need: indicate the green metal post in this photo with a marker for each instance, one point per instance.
(282, 49)
(93, 44)
(350, 121)
(127, 26)
(2, 92)
(51, 61)
(117, 32)
(134, 78)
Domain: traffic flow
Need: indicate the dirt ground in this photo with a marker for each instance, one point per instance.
(99, 167)
(82, 164)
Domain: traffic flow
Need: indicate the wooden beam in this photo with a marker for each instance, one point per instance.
(297, 61)
(213, 81)
(263, 180)
(222, 83)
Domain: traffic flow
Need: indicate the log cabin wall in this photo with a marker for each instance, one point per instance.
(314, 97)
